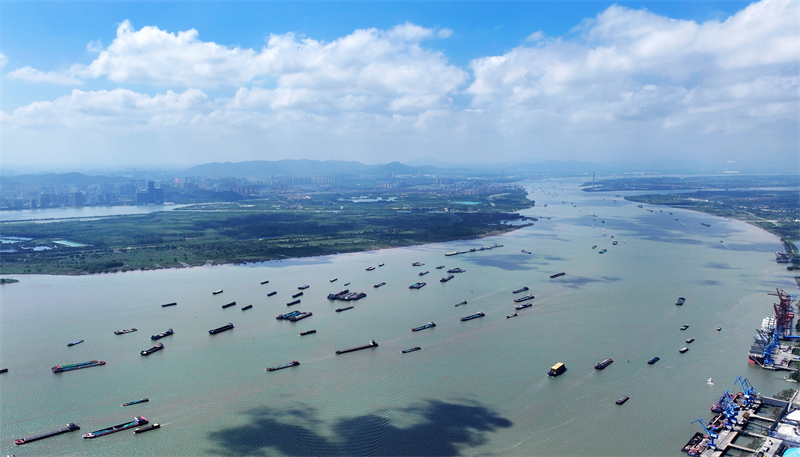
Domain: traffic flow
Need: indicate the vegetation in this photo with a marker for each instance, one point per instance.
(254, 230)
(8, 280)
(785, 394)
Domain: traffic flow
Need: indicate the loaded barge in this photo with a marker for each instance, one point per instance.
(77, 366)
(138, 420)
(169, 304)
(74, 343)
(447, 278)
(293, 363)
(127, 330)
(220, 329)
(423, 327)
(522, 299)
(233, 303)
(473, 316)
(372, 344)
(71, 427)
(136, 402)
(153, 349)
(520, 290)
(300, 316)
(162, 335)
(602, 365)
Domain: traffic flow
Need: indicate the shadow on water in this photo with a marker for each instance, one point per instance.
(718, 265)
(441, 428)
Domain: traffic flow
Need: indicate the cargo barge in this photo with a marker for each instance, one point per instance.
(423, 327)
(153, 349)
(653, 360)
(557, 370)
(346, 295)
(216, 292)
(602, 365)
(220, 329)
(418, 285)
(272, 293)
(560, 273)
(300, 316)
(169, 304)
(122, 332)
(456, 270)
(380, 284)
(138, 420)
(372, 344)
(461, 303)
(264, 282)
(136, 402)
(299, 294)
(228, 305)
(147, 428)
(522, 299)
(292, 303)
(71, 427)
(339, 310)
(293, 363)
(520, 290)
(523, 306)
(77, 366)
(74, 343)
(288, 315)
(304, 287)
(445, 279)
(308, 332)
(415, 348)
(680, 301)
(622, 400)
(473, 316)
(162, 335)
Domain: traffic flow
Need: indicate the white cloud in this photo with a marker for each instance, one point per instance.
(632, 85)
(30, 75)
(3, 60)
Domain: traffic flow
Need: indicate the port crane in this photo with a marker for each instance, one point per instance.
(747, 389)
(711, 435)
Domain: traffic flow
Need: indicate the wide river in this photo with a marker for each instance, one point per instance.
(475, 388)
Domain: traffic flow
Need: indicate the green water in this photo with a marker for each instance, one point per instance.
(475, 388)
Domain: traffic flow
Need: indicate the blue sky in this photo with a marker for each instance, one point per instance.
(114, 84)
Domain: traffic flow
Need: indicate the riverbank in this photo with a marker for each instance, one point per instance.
(257, 232)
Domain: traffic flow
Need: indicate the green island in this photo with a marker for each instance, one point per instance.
(256, 230)
(766, 206)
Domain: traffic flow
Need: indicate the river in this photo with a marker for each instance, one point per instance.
(475, 388)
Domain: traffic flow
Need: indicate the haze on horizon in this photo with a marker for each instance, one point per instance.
(144, 84)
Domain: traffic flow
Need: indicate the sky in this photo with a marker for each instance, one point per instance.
(175, 84)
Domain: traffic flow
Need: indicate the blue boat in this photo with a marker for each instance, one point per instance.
(474, 316)
(423, 327)
(74, 343)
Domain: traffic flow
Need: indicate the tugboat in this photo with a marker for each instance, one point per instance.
(415, 348)
(680, 301)
(602, 365)
(614, 242)
(293, 363)
(418, 285)
(594, 246)
(557, 369)
(423, 327)
(162, 335)
(74, 343)
(523, 306)
(153, 349)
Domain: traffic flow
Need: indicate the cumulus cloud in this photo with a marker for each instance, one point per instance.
(631, 84)
(3, 60)
(31, 75)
